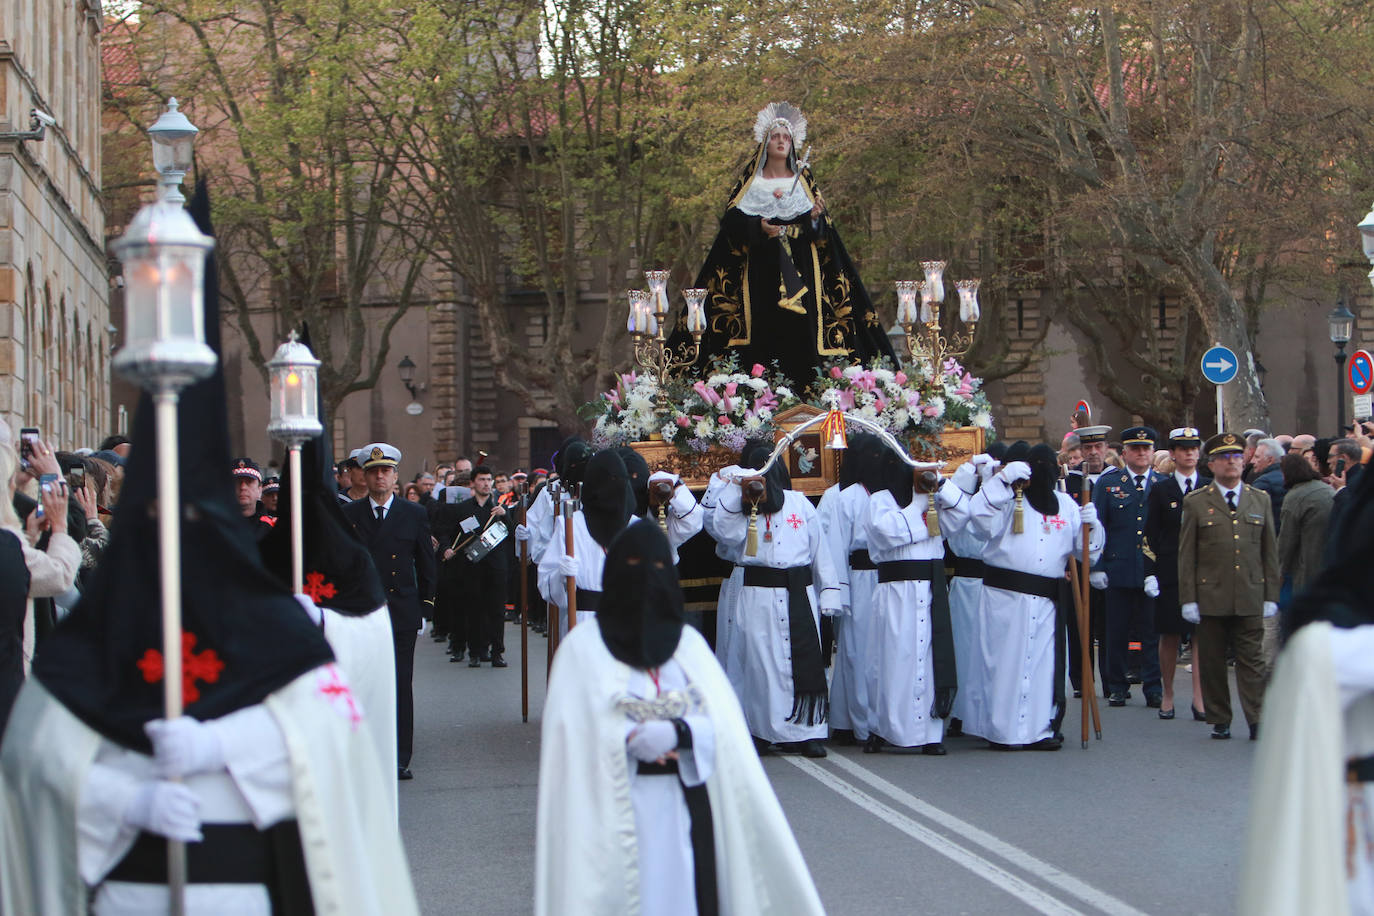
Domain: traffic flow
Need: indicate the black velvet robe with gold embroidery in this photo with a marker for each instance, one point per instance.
(763, 301)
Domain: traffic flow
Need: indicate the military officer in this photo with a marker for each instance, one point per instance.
(396, 532)
(1228, 581)
(1120, 496)
(248, 489)
(1163, 515)
(1093, 442)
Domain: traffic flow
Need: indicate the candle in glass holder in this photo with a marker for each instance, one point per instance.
(935, 283)
(696, 310)
(907, 290)
(969, 312)
(658, 292)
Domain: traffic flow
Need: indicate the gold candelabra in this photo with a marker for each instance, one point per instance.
(921, 323)
(648, 330)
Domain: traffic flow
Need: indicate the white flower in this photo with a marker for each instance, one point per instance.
(884, 375)
(717, 381)
(753, 424)
(705, 428)
(865, 398)
(757, 384)
(831, 397)
(982, 418)
(764, 413)
(636, 402)
(900, 417)
(611, 430)
(668, 431)
(783, 392)
(869, 412)
(739, 378)
(939, 405)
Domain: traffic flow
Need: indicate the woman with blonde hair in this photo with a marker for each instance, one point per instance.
(27, 572)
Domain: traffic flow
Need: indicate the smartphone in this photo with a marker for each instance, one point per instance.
(77, 477)
(1339, 469)
(27, 437)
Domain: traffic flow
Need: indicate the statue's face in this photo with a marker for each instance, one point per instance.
(779, 143)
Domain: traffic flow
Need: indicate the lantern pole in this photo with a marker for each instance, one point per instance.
(292, 378)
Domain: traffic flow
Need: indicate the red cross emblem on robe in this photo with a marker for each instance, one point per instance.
(316, 587)
(795, 522)
(195, 666)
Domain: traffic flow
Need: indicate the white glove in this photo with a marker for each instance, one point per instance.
(1097, 580)
(312, 610)
(965, 477)
(665, 475)
(1270, 608)
(567, 566)
(651, 740)
(184, 747)
(985, 465)
(1017, 470)
(166, 808)
(1087, 514)
(1190, 613)
(1151, 587)
(424, 627)
(522, 534)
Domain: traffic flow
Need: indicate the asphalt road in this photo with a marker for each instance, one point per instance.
(1148, 820)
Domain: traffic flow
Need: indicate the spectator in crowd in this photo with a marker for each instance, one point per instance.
(28, 571)
(1306, 519)
(1114, 458)
(1252, 438)
(424, 486)
(412, 493)
(271, 486)
(1163, 463)
(1071, 453)
(120, 445)
(1267, 475)
(1347, 457)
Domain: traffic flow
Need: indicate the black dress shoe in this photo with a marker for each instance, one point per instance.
(497, 661)
(1166, 713)
(873, 745)
(812, 748)
(1077, 694)
(935, 749)
(486, 656)
(1254, 732)
(762, 748)
(1046, 744)
(456, 654)
(403, 773)
(474, 662)
(999, 746)
(1221, 732)
(1198, 715)
(843, 737)
(1154, 700)
(955, 728)
(1117, 699)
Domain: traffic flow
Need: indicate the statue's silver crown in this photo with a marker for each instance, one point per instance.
(784, 113)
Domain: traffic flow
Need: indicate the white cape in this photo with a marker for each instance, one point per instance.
(1295, 845)
(353, 854)
(586, 853)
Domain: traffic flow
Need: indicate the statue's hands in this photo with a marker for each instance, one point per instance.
(772, 229)
(818, 207)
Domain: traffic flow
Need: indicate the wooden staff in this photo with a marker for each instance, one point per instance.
(572, 580)
(1085, 636)
(551, 610)
(524, 615)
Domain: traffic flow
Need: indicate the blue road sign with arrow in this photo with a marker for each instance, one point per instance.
(1219, 365)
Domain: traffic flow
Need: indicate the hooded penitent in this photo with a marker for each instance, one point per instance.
(244, 636)
(897, 477)
(777, 481)
(1040, 490)
(998, 451)
(641, 613)
(638, 470)
(863, 448)
(606, 498)
(571, 461)
(339, 572)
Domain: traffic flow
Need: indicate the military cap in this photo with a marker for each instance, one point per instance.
(1088, 434)
(247, 467)
(379, 455)
(1139, 435)
(271, 484)
(1224, 444)
(349, 462)
(1185, 437)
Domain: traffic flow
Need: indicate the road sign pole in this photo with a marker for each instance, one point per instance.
(1221, 412)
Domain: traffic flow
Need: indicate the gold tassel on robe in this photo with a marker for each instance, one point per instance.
(1018, 515)
(932, 518)
(751, 540)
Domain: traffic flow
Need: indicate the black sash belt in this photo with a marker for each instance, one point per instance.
(810, 691)
(1360, 769)
(1025, 583)
(702, 830)
(859, 559)
(907, 570)
(588, 600)
(968, 568)
(666, 768)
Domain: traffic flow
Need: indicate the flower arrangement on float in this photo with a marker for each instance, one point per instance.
(727, 405)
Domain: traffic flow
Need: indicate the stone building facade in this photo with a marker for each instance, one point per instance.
(54, 281)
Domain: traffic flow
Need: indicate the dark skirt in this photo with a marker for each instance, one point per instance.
(1168, 620)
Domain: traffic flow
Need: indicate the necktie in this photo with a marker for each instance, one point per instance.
(1188, 486)
(1140, 481)
(1231, 500)
(381, 512)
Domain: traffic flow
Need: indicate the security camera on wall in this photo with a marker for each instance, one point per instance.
(42, 117)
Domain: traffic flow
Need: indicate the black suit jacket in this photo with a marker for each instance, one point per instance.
(401, 548)
(1163, 515)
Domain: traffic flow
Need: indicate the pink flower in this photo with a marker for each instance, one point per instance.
(683, 422)
(757, 371)
(879, 404)
(846, 400)
(724, 420)
(900, 378)
(930, 410)
(614, 398)
(730, 389)
(707, 395)
(725, 405)
(836, 372)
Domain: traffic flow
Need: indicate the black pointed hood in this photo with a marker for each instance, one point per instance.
(339, 572)
(638, 469)
(898, 478)
(777, 481)
(1040, 491)
(642, 612)
(244, 636)
(606, 498)
(571, 461)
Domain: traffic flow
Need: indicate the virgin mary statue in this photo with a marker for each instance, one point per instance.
(782, 287)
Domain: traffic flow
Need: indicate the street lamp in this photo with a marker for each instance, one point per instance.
(295, 417)
(1367, 238)
(163, 254)
(407, 369)
(1341, 323)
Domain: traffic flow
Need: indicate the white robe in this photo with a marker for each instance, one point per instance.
(539, 519)
(762, 617)
(364, 649)
(965, 595)
(1014, 656)
(591, 562)
(901, 704)
(1318, 713)
(682, 516)
(727, 646)
(854, 671)
(588, 853)
(353, 855)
